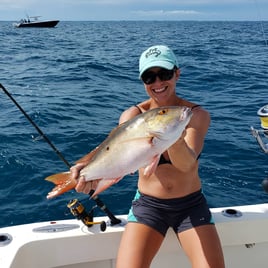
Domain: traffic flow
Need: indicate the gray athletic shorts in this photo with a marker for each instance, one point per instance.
(178, 213)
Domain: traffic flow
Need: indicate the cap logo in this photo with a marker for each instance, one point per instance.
(153, 51)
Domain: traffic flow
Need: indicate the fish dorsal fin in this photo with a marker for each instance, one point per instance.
(86, 159)
(116, 129)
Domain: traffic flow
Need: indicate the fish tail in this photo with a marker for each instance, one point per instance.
(64, 182)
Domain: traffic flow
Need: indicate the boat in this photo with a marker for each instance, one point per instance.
(23, 23)
(70, 243)
(92, 242)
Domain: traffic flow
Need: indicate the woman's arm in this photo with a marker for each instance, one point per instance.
(185, 151)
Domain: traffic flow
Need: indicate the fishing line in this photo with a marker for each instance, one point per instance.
(99, 203)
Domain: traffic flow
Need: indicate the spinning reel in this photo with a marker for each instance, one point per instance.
(79, 212)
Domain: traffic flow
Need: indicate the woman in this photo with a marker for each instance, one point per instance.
(171, 196)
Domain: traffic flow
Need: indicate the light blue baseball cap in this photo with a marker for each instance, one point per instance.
(157, 56)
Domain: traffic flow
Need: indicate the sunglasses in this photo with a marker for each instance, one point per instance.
(149, 77)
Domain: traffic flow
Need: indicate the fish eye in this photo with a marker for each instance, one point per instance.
(164, 111)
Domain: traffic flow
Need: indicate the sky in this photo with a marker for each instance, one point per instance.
(99, 10)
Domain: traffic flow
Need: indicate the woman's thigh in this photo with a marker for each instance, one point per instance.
(138, 246)
(202, 246)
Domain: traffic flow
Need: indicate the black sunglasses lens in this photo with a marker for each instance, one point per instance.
(150, 77)
(165, 75)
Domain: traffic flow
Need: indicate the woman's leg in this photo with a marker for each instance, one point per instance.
(139, 245)
(202, 246)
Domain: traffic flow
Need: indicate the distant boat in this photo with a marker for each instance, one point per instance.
(35, 23)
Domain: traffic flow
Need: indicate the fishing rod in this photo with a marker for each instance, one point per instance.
(99, 203)
(36, 127)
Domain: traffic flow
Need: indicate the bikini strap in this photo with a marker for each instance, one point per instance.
(138, 108)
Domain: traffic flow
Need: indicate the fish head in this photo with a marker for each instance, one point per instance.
(167, 123)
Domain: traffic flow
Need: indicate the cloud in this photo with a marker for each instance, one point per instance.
(15, 4)
(164, 13)
(162, 2)
(136, 9)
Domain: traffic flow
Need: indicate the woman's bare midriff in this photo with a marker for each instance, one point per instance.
(168, 182)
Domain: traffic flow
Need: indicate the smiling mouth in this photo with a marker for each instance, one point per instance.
(159, 90)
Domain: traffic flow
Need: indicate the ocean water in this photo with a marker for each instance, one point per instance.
(76, 79)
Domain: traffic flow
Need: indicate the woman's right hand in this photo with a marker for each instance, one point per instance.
(82, 186)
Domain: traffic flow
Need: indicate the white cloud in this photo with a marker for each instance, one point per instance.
(165, 12)
(15, 4)
(135, 9)
(164, 2)
(22, 3)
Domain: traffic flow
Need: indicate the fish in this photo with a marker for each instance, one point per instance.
(134, 144)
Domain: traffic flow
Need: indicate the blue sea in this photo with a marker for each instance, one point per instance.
(76, 79)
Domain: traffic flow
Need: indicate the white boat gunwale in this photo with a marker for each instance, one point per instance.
(242, 232)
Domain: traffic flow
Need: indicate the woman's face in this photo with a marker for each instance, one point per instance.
(160, 83)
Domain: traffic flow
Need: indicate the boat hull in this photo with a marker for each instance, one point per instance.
(69, 244)
(38, 24)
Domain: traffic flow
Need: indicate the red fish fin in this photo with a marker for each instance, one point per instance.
(64, 183)
(105, 184)
(150, 169)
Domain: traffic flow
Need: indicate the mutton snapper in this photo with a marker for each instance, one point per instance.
(134, 144)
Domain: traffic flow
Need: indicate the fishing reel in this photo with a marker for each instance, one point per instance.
(79, 212)
(262, 134)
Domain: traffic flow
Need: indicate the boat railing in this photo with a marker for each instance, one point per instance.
(260, 135)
